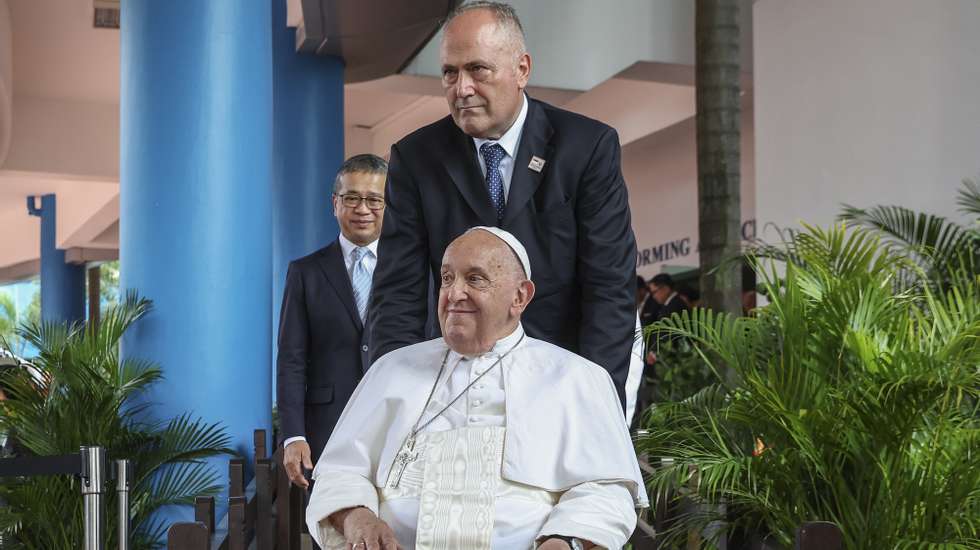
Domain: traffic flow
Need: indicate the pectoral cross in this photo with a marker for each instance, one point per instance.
(405, 456)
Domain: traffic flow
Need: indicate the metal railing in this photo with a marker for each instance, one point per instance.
(90, 465)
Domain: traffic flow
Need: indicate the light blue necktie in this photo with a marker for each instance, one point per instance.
(360, 279)
(492, 154)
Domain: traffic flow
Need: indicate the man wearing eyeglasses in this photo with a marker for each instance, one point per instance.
(323, 339)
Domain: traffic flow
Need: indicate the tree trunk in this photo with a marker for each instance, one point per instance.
(718, 133)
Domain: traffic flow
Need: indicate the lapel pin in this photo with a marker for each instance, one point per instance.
(536, 164)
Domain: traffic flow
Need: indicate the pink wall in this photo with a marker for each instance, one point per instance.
(661, 174)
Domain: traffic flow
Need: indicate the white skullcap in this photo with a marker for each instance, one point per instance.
(512, 242)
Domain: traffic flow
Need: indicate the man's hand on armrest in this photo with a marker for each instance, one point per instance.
(363, 529)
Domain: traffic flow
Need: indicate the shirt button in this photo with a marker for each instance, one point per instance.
(477, 403)
(478, 387)
(364, 348)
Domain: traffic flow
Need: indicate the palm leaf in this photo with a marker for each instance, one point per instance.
(968, 198)
(78, 391)
(933, 242)
(854, 400)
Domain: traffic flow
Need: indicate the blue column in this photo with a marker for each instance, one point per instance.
(62, 285)
(195, 216)
(308, 151)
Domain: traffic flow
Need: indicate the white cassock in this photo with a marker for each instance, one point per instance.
(537, 446)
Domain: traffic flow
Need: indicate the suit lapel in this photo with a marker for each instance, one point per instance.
(464, 169)
(535, 142)
(331, 262)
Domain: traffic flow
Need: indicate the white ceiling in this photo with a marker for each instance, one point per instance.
(58, 55)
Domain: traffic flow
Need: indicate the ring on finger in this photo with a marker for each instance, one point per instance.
(358, 545)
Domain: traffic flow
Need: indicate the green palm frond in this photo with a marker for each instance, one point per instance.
(852, 399)
(185, 439)
(968, 198)
(8, 315)
(77, 392)
(180, 483)
(937, 245)
(924, 234)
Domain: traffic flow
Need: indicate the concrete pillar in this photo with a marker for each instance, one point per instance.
(195, 226)
(62, 285)
(308, 151)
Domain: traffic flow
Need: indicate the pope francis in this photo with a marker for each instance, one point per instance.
(483, 439)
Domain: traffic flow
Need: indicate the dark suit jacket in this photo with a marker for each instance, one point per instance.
(322, 347)
(649, 312)
(662, 312)
(572, 216)
(674, 306)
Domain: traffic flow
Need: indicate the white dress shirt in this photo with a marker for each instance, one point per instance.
(510, 141)
(369, 261)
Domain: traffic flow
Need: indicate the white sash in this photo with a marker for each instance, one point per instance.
(457, 479)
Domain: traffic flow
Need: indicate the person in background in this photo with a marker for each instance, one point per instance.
(642, 293)
(663, 293)
(323, 335)
(650, 309)
(749, 295)
(690, 296)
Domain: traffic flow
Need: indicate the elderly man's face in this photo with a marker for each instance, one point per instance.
(483, 73)
(483, 292)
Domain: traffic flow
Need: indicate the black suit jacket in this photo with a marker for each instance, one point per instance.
(674, 306)
(572, 216)
(655, 313)
(649, 313)
(323, 349)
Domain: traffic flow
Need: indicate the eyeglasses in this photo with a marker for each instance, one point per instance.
(353, 200)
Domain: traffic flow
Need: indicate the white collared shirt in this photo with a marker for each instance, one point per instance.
(369, 261)
(483, 404)
(510, 141)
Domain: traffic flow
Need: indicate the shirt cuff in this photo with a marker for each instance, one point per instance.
(291, 440)
(599, 512)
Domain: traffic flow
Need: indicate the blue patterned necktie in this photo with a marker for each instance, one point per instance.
(492, 154)
(360, 279)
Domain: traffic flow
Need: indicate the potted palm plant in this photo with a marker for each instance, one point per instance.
(853, 399)
(78, 391)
